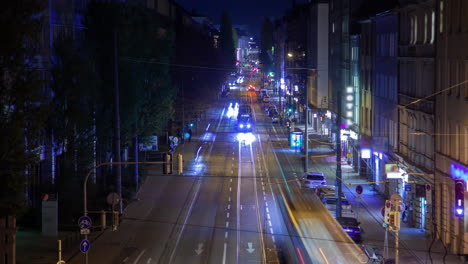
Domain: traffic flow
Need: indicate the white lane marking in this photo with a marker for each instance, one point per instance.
(231, 180)
(229, 206)
(266, 204)
(241, 207)
(232, 172)
(268, 210)
(259, 221)
(148, 261)
(264, 194)
(229, 199)
(198, 152)
(208, 127)
(271, 230)
(269, 223)
(227, 215)
(233, 159)
(227, 224)
(225, 234)
(230, 189)
(139, 256)
(268, 215)
(263, 187)
(189, 212)
(224, 253)
(264, 198)
(273, 238)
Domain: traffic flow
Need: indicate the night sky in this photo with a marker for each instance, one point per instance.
(243, 12)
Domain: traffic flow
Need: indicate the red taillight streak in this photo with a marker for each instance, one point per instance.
(300, 255)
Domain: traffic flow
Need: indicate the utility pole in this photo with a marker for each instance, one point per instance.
(117, 158)
(306, 165)
(338, 182)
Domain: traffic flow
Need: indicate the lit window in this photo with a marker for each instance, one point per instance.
(433, 27)
(411, 30)
(425, 28)
(415, 29)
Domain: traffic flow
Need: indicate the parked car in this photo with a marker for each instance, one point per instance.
(330, 203)
(351, 226)
(324, 190)
(313, 179)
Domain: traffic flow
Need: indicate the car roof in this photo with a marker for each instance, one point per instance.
(314, 173)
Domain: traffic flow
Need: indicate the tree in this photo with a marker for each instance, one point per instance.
(266, 44)
(23, 106)
(226, 41)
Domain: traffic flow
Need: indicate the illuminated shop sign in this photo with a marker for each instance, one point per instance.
(459, 171)
(349, 103)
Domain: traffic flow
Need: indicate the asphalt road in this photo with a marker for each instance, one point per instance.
(238, 201)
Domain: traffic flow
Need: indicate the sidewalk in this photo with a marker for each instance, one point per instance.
(34, 248)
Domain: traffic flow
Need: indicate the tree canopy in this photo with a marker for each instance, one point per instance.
(23, 113)
(226, 40)
(266, 44)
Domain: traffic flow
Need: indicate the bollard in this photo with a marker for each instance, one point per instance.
(103, 220)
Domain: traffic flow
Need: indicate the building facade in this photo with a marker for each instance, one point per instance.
(451, 129)
(415, 155)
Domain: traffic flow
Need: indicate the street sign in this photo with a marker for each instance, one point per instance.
(359, 189)
(401, 207)
(112, 198)
(84, 222)
(382, 211)
(84, 245)
(84, 231)
(408, 187)
(388, 204)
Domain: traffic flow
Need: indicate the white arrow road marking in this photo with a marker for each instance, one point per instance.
(250, 249)
(199, 250)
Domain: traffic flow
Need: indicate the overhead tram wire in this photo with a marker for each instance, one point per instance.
(151, 61)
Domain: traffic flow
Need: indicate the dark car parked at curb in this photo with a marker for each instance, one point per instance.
(351, 227)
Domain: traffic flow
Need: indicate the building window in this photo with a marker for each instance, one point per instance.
(433, 27)
(415, 29)
(441, 17)
(411, 30)
(425, 29)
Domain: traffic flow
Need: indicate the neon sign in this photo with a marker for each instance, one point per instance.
(459, 171)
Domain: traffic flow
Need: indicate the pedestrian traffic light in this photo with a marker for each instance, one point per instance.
(459, 198)
(167, 166)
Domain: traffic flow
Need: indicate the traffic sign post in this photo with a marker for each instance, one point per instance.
(359, 189)
(84, 246)
(84, 222)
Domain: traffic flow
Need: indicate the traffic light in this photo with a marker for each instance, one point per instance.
(167, 166)
(191, 124)
(394, 221)
(459, 198)
(290, 109)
